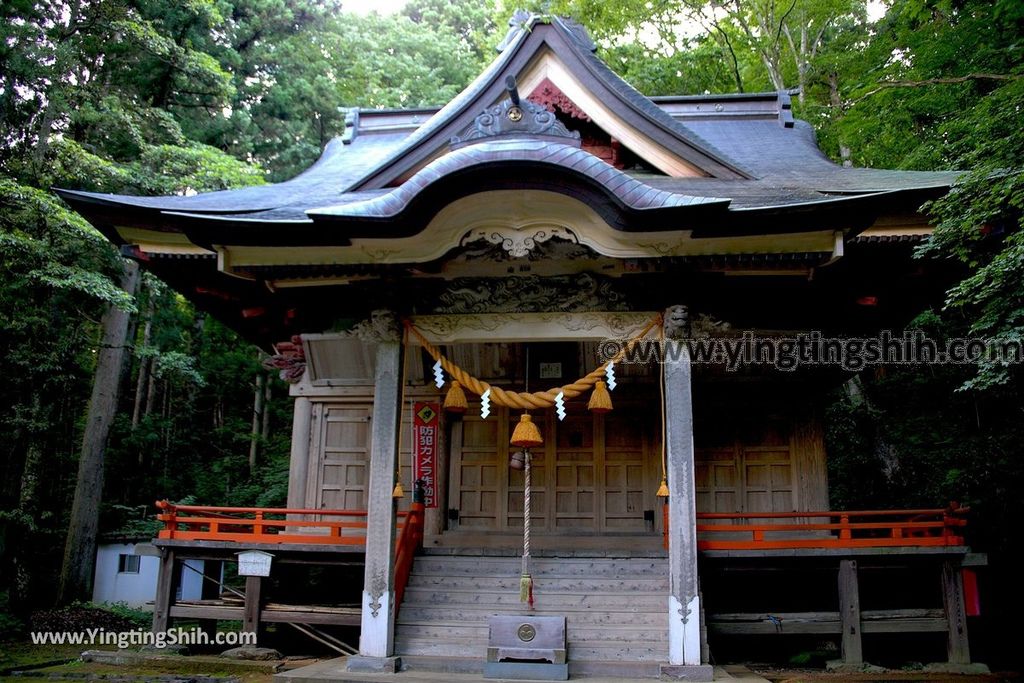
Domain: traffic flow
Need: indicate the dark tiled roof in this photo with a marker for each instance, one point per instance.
(321, 184)
(783, 165)
(632, 193)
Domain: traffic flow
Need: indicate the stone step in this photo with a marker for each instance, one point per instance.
(576, 584)
(469, 614)
(623, 670)
(475, 665)
(599, 651)
(450, 665)
(572, 602)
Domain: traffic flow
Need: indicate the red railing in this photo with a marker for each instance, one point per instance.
(262, 525)
(272, 525)
(410, 541)
(830, 529)
(840, 529)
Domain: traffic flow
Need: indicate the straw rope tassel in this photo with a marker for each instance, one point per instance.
(520, 399)
(526, 581)
(455, 399)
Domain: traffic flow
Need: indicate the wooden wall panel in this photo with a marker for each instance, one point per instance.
(809, 464)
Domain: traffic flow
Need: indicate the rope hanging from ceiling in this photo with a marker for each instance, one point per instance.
(523, 400)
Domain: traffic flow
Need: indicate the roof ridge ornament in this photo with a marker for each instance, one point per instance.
(518, 118)
(521, 21)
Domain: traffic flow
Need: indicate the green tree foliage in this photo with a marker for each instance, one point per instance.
(163, 97)
(298, 100)
(475, 23)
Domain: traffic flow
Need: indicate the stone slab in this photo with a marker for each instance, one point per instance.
(526, 671)
(373, 665)
(694, 672)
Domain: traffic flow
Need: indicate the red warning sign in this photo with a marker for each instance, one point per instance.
(425, 431)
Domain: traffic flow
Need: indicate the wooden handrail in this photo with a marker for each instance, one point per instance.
(840, 529)
(263, 525)
(829, 513)
(220, 510)
(410, 541)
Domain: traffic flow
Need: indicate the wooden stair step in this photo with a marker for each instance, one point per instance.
(468, 614)
(568, 568)
(564, 601)
(577, 584)
(575, 633)
(615, 610)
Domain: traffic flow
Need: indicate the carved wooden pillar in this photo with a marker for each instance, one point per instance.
(684, 596)
(376, 640)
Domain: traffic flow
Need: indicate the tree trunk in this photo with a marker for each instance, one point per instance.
(80, 549)
(265, 417)
(837, 104)
(145, 364)
(257, 419)
(801, 63)
(151, 389)
(23, 547)
(166, 413)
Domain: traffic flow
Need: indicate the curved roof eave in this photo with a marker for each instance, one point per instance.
(476, 160)
(339, 164)
(846, 213)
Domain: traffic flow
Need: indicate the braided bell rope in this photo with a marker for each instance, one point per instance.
(520, 399)
(526, 515)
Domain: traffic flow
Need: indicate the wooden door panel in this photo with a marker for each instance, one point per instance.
(768, 474)
(342, 457)
(717, 480)
(744, 478)
(574, 470)
(590, 474)
(627, 486)
(480, 480)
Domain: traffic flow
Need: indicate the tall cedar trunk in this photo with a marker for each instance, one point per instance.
(267, 391)
(257, 419)
(166, 413)
(145, 364)
(22, 548)
(837, 105)
(151, 389)
(80, 550)
(801, 63)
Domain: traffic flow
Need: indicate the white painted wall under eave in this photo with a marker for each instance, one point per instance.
(136, 590)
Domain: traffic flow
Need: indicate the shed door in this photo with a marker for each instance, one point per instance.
(340, 456)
